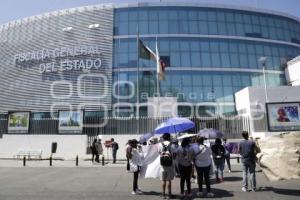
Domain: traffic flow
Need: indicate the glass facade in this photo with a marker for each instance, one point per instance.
(207, 21)
(213, 52)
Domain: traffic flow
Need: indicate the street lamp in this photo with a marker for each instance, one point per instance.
(263, 61)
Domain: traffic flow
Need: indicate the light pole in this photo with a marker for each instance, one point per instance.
(263, 61)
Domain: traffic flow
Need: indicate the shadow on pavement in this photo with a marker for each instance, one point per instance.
(152, 193)
(288, 192)
(219, 193)
(233, 178)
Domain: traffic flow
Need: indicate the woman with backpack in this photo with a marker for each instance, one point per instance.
(185, 159)
(218, 152)
(135, 157)
(203, 163)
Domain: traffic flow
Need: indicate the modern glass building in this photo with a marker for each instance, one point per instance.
(87, 57)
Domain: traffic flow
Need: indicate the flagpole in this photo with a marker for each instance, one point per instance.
(137, 79)
(157, 80)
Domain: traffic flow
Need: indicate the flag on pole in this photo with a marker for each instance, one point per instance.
(145, 52)
(161, 64)
(161, 61)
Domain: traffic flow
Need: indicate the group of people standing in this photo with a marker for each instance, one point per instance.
(97, 150)
(186, 157)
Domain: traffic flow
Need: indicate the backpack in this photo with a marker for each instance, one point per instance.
(116, 146)
(166, 159)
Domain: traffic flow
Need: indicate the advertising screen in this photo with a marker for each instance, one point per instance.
(283, 116)
(18, 122)
(70, 121)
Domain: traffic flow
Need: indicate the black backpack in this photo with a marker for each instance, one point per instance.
(166, 159)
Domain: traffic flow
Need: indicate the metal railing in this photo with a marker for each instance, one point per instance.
(93, 126)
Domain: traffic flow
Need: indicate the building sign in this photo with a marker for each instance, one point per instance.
(18, 122)
(283, 116)
(62, 59)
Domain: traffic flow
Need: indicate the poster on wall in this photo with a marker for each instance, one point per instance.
(283, 116)
(70, 121)
(18, 122)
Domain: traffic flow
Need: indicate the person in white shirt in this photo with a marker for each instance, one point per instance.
(135, 158)
(203, 163)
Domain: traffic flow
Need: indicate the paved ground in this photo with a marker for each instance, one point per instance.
(63, 181)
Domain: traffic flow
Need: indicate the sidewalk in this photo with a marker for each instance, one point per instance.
(64, 181)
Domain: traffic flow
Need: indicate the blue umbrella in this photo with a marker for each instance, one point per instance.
(174, 125)
(210, 133)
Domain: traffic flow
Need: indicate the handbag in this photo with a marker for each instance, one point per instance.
(132, 167)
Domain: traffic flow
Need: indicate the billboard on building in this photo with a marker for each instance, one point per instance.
(283, 116)
(18, 122)
(70, 121)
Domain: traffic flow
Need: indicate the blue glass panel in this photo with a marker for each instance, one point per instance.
(212, 15)
(133, 16)
(174, 45)
(184, 28)
(225, 60)
(193, 25)
(226, 80)
(153, 27)
(197, 79)
(204, 46)
(163, 46)
(212, 28)
(231, 29)
(153, 15)
(216, 60)
(240, 29)
(163, 14)
(243, 61)
(252, 61)
(123, 16)
(202, 15)
(185, 60)
(173, 15)
(173, 26)
(184, 46)
(143, 15)
(175, 60)
(222, 28)
(143, 27)
(195, 46)
(234, 60)
(251, 48)
(242, 48)
(220, 16)
(203, 27)
(233, 47)
(132, 28)
(123, 28)
(230, 17)
(163, 26)
(193, 15)
(205, 58)
(196, 62)
(217, 80)
(214, 46)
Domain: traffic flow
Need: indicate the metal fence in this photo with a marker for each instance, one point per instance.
(92, 126)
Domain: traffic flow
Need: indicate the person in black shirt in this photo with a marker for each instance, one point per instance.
(218, 152)
(247, 152)
(114, 148)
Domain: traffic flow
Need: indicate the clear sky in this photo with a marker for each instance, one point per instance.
(16, 9)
